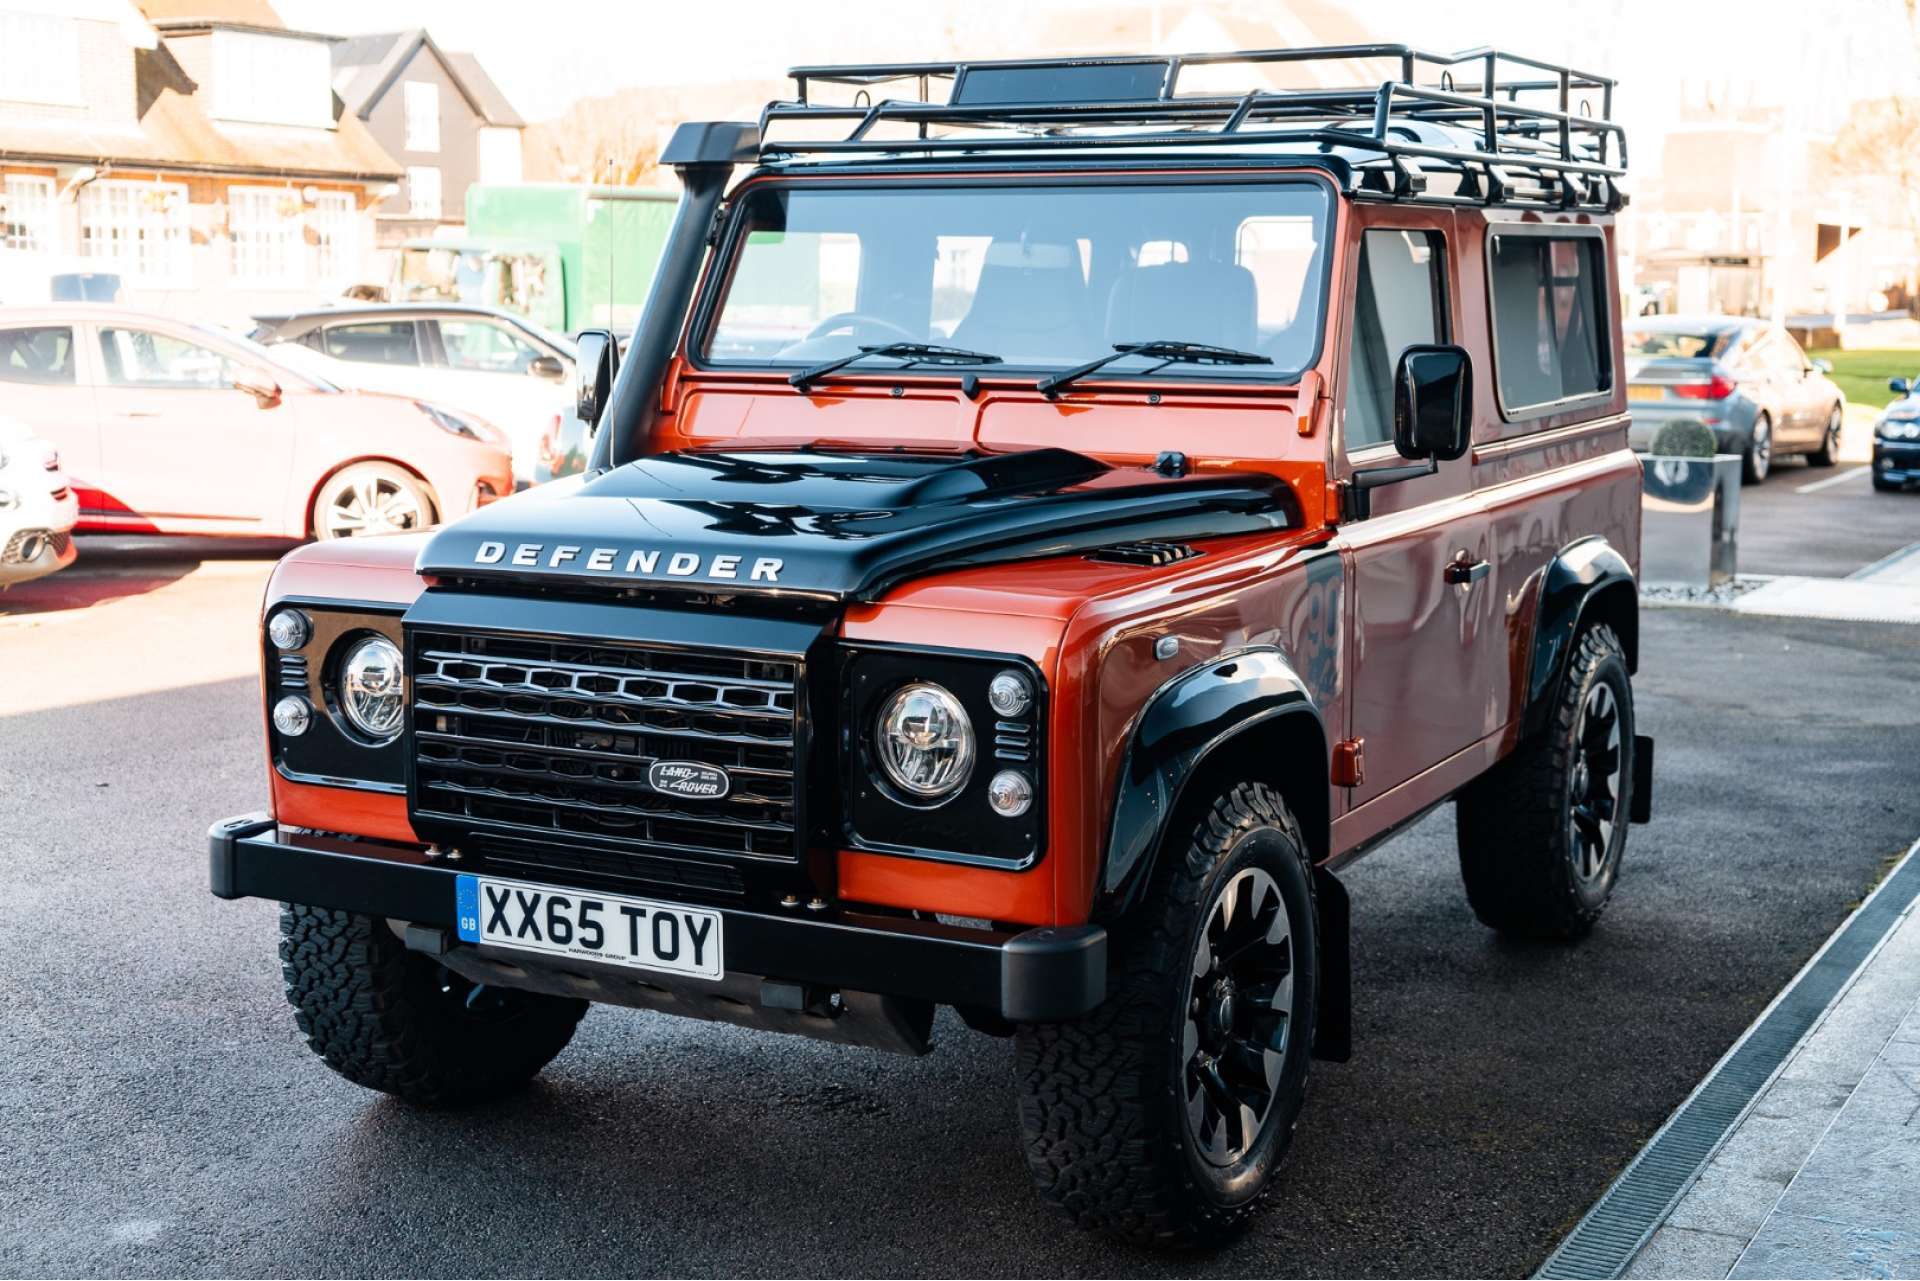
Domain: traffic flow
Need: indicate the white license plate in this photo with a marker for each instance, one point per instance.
(613, 928)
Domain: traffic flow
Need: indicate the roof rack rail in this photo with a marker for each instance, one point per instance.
(1517, 131)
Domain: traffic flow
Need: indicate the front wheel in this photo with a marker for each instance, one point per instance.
(1758, 459)
(1161, 1116)
(1542, 834)
(399, 1022)
(370, 498)
(1829, 452)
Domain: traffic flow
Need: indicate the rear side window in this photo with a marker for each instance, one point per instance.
(1548, 318)
(40, 354)
(1398, 301)
(1665, 344)
(382, 342)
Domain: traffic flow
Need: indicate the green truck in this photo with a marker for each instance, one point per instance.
(564, 255)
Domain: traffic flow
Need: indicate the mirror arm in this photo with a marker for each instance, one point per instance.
(1357, 493)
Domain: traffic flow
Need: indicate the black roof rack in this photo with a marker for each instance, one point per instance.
(1512, 130)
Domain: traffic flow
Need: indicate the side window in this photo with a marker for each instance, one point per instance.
(379, 342)
(481, 346)
(1399, 300)
(37, 354)
(143, 358)
(1548, 319)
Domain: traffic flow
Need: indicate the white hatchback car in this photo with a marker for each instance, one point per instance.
(37, 507)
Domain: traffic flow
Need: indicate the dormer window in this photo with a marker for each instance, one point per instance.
(270, 79)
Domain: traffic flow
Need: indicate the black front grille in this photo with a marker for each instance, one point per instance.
(526, 740)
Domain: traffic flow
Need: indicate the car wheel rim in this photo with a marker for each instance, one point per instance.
(1594, 783)
(372, 505)
(1239, 1006)
(1762, 447)
(1833, 434)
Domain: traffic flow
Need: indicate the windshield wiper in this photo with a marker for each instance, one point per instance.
(913, 353)
(1166, 352)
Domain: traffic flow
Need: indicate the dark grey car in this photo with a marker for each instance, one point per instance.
(1746, 380)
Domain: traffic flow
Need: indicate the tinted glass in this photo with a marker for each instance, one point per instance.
(481, 346)
(1655, 344)
(37, 354)
(1398, 301)
(1548, 318)
(1042, 276)
(143, 358)
(383, 342)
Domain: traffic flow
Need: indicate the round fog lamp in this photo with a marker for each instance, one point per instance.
(292, 715)
(370, 688)
(924, 741)
(1009, 694)
(1010, 794)
(289, 629)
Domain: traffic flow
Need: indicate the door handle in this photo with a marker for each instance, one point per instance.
(1461, 572)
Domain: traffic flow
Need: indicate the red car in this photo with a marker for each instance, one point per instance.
(174, 428)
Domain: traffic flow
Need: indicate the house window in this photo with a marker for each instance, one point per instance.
(267, 243)
(423, 192)
(39, 59)
(336, 236)
(499, 155)
(26, 213)
(423, 115)
(270, 79)
(136, 228)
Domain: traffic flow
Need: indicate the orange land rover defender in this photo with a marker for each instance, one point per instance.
(1051, 516)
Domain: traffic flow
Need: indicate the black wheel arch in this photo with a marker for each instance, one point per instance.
(1589, 581)
(1247, 714)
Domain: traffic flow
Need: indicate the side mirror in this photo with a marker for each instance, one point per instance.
(551, 368)
(594, 368)
(1899, 386)
(259, 384)
(1822, 365)
(1433, 403)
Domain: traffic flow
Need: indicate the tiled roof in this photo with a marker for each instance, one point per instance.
(366, 67)
(249, 13)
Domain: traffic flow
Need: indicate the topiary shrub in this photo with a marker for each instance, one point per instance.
(1683, 439)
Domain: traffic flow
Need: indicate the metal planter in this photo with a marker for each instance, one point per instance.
(1689, 521)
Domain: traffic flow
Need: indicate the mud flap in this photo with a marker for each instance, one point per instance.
(1642, 811)
(1333, 1031)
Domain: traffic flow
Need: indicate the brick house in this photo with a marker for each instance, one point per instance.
(440, 114)
(193, 148)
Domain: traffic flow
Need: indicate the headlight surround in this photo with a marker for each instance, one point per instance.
(924, 742)
(1899, 426)
(372, 688)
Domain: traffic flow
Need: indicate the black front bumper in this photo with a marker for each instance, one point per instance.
(1030, 976)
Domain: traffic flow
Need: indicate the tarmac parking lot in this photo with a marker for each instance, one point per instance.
(167, 1118)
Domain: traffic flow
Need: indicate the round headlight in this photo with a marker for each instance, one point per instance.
(1010, 793)
(924, 741)
(371, 688)
(289, 629)
(1009, 694)
(292, 715)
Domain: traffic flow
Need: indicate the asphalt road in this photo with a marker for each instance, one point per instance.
(1829, 530)
(161, 1116)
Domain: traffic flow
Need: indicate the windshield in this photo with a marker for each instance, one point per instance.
(1672, 344)
(1044, 276)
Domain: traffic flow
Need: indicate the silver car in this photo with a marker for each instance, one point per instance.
(1746, 380)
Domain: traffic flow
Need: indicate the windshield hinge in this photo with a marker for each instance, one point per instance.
(719, 222)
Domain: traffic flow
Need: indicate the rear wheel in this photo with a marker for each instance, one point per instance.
(1829, 452)
(370, 498)
(1758, 459)
(1161, 1116)
(398, 1022)
(1542, 834)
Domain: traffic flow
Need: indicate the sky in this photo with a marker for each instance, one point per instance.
(547, 55)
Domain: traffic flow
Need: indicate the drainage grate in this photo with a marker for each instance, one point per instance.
(1605, 1241)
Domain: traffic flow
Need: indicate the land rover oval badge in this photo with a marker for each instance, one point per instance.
(690, 779)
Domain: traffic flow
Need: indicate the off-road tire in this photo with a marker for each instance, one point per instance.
(1829, 452)
(396, 1021)
(1103, 1115)
(1517, 855)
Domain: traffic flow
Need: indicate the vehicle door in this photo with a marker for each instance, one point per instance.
(388, 355)
(489, 367)
(1426, 631)
(43, 388)
(178, 440)
(1809, 398)
(1762, 378)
